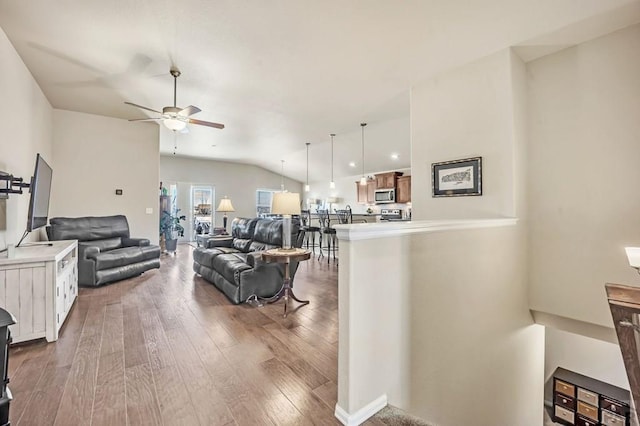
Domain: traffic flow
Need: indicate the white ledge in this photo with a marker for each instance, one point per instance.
(369, 231)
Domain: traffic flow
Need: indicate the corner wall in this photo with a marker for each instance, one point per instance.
(584, 106)
(583, 159)
(94, 156)
(26, 119)
(471, 326)
(464, 113)
(476, 356)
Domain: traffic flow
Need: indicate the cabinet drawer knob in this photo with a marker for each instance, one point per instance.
(564, 401)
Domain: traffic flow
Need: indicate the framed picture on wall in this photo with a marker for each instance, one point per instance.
(457, 178)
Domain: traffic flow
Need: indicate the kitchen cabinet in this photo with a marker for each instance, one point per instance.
(366, 194)
(403, 189)
(387, 180)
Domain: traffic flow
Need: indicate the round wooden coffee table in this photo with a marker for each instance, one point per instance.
(286, 257)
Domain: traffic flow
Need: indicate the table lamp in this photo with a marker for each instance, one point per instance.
(225, 206)
(633, 255)
(286, 204)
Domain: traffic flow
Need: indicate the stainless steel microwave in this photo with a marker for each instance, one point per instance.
(383, 196)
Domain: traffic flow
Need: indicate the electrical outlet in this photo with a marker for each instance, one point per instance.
(149, 210)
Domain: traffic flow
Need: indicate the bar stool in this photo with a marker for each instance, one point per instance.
(326, 229)
(344, 216)
(309, 231)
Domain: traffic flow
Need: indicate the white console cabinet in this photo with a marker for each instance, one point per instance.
(38, 285)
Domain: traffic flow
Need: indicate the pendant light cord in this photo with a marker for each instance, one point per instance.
(332, 135)
(308, 143)
(362, 125)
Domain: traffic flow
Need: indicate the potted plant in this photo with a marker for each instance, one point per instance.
(171, 229)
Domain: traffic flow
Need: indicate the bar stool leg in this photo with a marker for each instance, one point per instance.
(335, 246)
(320, 246)
(335, 243)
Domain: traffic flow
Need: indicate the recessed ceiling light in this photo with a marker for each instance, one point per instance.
(352, 164)
(395, 156)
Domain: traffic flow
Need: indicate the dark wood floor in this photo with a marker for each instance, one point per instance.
(168, 348)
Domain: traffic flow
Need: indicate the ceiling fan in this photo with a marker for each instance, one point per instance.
(175, 118)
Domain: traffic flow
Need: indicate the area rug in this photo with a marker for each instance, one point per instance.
(393, 416)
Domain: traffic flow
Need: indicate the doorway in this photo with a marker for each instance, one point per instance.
(201, 218)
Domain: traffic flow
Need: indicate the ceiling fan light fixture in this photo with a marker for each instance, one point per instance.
(174, 124)
(173, 117)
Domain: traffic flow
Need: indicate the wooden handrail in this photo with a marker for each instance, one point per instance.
(624, 303)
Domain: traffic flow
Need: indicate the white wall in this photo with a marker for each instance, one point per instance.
(583, 159)
(26, 122)
(467, 112)
(474, 344)
(239, 182)
(94, 156)
(471, 327)
(597, 359)
(449, 337)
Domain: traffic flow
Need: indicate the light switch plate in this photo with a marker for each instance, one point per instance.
(149, 210)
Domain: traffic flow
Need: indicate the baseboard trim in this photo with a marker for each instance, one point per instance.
(362, 414)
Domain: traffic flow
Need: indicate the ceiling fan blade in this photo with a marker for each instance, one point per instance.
(142, 107)
(190, 110)
(145, 119)
(206, 123)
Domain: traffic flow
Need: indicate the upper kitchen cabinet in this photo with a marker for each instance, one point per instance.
(403, 190)
(387, 180)
(366, 194)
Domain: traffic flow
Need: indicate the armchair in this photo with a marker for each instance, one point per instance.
(106, 252)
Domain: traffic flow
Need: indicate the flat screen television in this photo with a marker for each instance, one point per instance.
(40, 190)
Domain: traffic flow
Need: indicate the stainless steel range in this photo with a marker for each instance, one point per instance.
(391, 214)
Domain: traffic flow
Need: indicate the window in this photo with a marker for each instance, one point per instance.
(263, 201)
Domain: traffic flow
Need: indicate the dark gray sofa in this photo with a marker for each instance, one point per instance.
(106, 252)
(235, 266)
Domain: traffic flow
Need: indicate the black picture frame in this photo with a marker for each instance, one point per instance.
(457, 178)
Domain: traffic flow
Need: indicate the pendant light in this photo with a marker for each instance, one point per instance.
(306, 187)
(332, 184)
(282, 176)
(363, 179)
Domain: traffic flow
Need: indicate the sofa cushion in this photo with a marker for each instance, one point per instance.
(241, 244)
(124, 256)
(205, 256)
(87, 228)
(149, 252)
(243, 227)
(118, 257)
(230, 265)
(104, 245)
(258, 246)
(269, 232)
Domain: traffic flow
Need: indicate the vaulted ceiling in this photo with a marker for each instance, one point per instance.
(277, 73)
